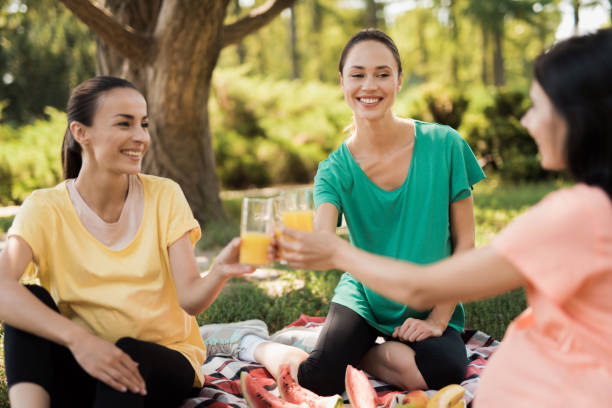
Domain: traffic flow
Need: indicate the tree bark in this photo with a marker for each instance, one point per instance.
(169, 49)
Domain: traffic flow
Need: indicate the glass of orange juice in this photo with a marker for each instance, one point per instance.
(256, 226)
(297, 209)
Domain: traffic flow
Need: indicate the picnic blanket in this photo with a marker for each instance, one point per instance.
(222, 374)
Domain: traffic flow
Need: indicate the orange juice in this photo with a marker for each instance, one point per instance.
(300, 220)
(254, 248)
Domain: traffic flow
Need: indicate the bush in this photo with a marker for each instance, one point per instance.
(269, 132)
(30, 157)
(497, 136)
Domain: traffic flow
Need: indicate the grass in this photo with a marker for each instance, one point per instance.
(495, 205)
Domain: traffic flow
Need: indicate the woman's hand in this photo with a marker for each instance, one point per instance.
(227, 264)
(311, 250)
(108, 363)
(416, 330)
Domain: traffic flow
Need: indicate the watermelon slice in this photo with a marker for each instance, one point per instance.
(291, 391)
(257, 396)
(358, 388)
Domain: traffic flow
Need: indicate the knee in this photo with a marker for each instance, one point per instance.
(323, 378)
(128, 345)
(451, 371)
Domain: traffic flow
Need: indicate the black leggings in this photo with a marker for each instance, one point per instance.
(345, 339)
(28, 358)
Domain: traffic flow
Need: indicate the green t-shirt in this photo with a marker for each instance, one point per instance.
(410, 223)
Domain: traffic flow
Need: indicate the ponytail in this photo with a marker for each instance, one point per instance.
(71, 156)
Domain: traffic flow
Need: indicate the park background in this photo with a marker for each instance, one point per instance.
(249, 102)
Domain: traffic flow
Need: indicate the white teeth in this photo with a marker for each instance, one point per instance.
(132, 154)
(369, 100)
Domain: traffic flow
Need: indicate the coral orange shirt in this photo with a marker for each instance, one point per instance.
(558, 352)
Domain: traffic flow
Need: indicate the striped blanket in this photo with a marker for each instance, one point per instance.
(222, 389)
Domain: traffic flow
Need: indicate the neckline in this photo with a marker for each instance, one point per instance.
(401, 186)
(129, 197)
(84, 230)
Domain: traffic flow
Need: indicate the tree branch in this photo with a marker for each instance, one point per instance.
(124, 39)
(256, 19)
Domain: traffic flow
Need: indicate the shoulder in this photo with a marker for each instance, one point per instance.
(335, 164)
(437, 134)
(572, 212)
(576, 200)
(56, 196)
(158, 185)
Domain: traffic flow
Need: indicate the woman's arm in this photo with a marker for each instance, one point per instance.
(22, 310)
(468, 275)
(462, 237)
(326, 218)
(196, 293)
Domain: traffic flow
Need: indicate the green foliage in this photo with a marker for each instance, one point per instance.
(271, 132)
(44, 52)
(30, 157)
(497, 136)
(5, 223)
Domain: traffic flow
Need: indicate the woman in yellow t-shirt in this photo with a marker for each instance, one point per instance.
(112, 322)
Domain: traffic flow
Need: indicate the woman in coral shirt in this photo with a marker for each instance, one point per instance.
(558, 351)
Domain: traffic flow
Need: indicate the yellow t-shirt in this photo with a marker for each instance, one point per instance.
(114, 294)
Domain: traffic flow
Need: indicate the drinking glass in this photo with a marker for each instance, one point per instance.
(296, 207)
(256, 225)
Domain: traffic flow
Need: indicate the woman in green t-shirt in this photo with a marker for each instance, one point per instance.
(404, 187)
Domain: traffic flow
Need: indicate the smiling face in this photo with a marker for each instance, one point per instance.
(547, 127)
(370, 80)
(118, 137)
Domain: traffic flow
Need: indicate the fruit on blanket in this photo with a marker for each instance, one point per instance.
(448, 397)
(257, 396)
(414, 399)
(291, 391)
(358, 388)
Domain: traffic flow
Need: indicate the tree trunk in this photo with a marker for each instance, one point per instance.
(169, 49)
(576, 6)
(240, 49)
(485, 54)
(421, 24)
(295, 58)
(498, 56)
(455, 40)
(371, 11)
(317, 25)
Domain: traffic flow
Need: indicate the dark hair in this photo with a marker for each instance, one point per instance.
(82, 106)
(576, 74)
(371, 34)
